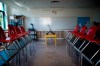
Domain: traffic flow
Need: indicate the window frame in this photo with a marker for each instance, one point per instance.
(3, 11)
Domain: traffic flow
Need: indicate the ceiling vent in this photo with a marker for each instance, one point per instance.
(55, 1)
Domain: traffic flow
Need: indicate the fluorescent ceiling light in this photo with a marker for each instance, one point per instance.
(18, 4)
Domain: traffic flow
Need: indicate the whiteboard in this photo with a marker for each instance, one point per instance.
(57, 23)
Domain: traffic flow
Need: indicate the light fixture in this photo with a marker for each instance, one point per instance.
(18, 4)
(54, 5)
(54, 11)
(54, 1)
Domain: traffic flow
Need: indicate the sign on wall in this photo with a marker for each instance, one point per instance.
(83, 21)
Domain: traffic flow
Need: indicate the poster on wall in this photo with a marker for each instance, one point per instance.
(83, 21)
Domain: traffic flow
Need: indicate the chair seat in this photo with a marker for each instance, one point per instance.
(6, 40)
(26, 32)
(21, 35)
(95, 41)
(15, 37)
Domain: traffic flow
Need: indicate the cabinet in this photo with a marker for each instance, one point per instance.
(17, 20)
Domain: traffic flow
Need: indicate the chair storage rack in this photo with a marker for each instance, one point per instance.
(11, 46)
(86, 46)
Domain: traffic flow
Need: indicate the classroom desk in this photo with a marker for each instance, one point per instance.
(50, 36)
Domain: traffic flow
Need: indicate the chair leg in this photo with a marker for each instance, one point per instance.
(15, 45)
(75, 41)
(95, 54)
(82, 44)
(18, 44)
(81, 59)
(85, 46)
(26, 54)
(97, 63)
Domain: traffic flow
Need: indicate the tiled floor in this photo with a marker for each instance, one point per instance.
(36, 53)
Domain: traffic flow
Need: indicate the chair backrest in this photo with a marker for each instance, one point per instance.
(11, 30)
(83, 30)
(22, 29)
(2, 34)
(91, 32)
(97, 37)
(76, 28)
(18, 31)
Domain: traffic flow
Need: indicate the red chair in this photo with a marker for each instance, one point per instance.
(82, 33)
(96, 41)
(75, 30)
(18, 31)
(4, 39)
(91, 33)
(12, 32)
(8, 42)
(86, 45)
(90, 38)
(23, 30)
(21, 34)
(82, 39)
(70, 33)
(26, 33)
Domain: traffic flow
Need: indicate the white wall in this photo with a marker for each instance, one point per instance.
(97, 16)
(61, 20)
(48, 12)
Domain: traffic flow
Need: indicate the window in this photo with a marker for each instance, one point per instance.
(1, 20)
(3, 16)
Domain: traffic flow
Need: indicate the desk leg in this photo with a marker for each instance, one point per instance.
(45, 41)
(55, 41)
